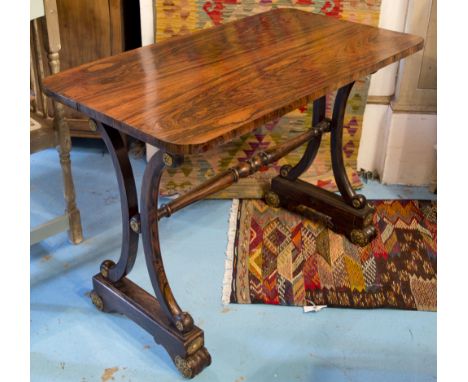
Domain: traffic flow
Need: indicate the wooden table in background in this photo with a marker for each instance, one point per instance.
(192, 93)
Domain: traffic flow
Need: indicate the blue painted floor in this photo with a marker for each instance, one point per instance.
(72, 341)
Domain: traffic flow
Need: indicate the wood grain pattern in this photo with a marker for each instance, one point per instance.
(86, 31)
(190, 93)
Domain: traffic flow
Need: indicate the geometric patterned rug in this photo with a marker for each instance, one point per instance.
(179, 17)
(281, 258)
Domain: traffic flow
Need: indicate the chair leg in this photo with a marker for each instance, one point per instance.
(75, 232)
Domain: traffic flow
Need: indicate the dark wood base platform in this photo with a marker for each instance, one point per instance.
(319, 204)
(187, 350)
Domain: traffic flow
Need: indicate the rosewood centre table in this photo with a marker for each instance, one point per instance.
(191, 93)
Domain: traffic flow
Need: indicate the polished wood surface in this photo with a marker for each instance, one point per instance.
(192, 92)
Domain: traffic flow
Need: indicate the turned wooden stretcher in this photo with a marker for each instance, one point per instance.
(191, 93)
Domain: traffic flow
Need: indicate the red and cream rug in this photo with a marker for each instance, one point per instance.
(277, 257)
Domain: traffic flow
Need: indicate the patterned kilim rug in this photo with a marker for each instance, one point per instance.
(177, 17)
(277, 257)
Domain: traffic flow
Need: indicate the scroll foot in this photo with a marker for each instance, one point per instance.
(364, 236)
(193, 364)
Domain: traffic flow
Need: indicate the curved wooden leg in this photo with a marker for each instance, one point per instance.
(128, 203)
(292, 173)
(349, 214)
(150, 236)
(113, 292)
(342, 182)
(188, 362)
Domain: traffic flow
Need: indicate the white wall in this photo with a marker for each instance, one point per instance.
(393, 17)
(376, 121)
(36, 9)
(147, 25)
(374, 135)
(410, 156)
(398, 146)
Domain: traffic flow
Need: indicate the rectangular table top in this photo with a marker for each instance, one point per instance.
(189, 93)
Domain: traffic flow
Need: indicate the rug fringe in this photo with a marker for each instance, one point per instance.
(227, 280)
